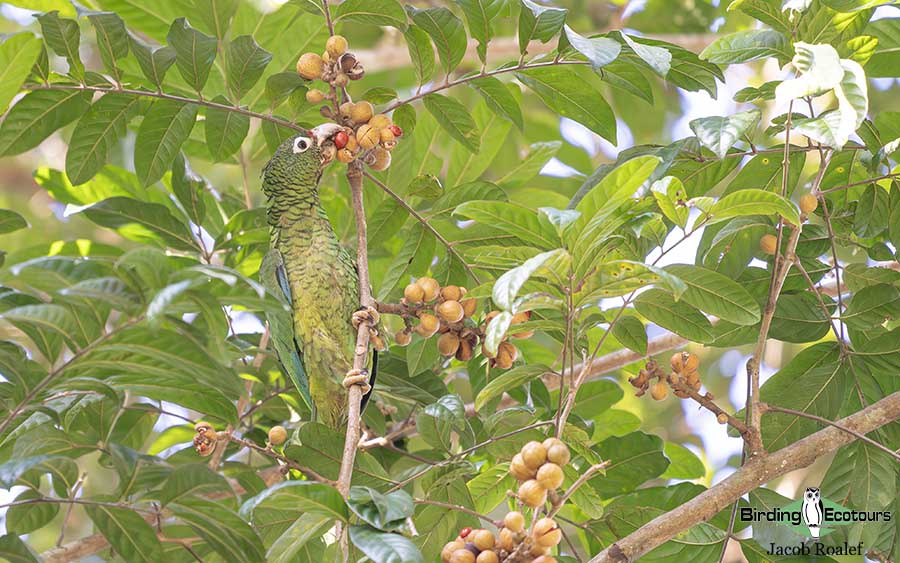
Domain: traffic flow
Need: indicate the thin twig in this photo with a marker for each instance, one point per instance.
(65, 522)
(576, 485)
(860, 183)
(315, 476)
(459, 508)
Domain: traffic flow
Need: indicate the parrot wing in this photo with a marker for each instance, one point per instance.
(281, 325)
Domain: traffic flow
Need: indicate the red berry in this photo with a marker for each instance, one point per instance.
(340, 139)
(465, 532)
(396, 131)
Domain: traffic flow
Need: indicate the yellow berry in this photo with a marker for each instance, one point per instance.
(403, 337)
(559, 454)
(520, 470)
(520, 318)
(488, 556)
(515, 521)
(309, 66)
(448, 344)
(768, 244)
(506, 540)
(469, 306)
(677, 362)
(277, 435)
(340, 80)
(483, 539)
(808, 203)
(462, 556)
(659, 390)
(449, 548)
(380, 121)
(367, 137)
(534, 454)
(450, 311)
(386, 136)
(346, 108)
(691, 363)
(532, 493)
(336, 46)
(546, 533)
(314, 96)
(550, 476)
(428, 325)
(413, 293)
(361, 112)
(431, 287)
(380, 159)
(506, 355)
(344, 155)
(722, 418)
(464, 353)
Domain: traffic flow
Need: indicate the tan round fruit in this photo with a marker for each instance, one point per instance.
(431, 287)
(362, 112)
(340, 80)
(449, 548)
(534, 454)
(506, 355)
(450, 311)
(448, 344)
(380, 121)
(808, 203)
(506, 540)
(514, 521)
(519, 470)
(352, 143)
(691, 363)
(314, 96)
(532, 493)
(768, 244)
(469, 306)
(462, 556)
(659, 390)
(522, 335)
(520, 318)
(386, 136)
(546, 533)
(677, 362)
(550, 442)
(550, 476)
(538, 550)
(309, 66)
(487, 556)
(428, 325)
(366, 137)
(483, 539)
(380, 159)
(413, 293)
(346, 108)
(277, 435)
(452, 293)
(336, 45)
(345, 155)
(465, 353)
(722, 418)
(559, 454)
(403, 337)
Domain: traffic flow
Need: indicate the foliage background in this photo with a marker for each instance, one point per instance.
(563, 151)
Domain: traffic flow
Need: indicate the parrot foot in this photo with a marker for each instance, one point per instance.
(368, 315)
(357, 377)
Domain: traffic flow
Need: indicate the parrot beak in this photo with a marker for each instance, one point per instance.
(325, 132)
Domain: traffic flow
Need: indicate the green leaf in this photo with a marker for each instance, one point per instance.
(885, 62)
(488, 488)
(217, 15)
(539, 23)
(855, 5)
(164, 129)
(112, 39)
(479, 14)
(384, 547)
(566, 90)
(194, 53)
(381, 511)
(658, 59)
(511, 379)
(420, 52)
(455, 118)
(872, 212)
(671, 198)
(192, 479)
(371, 12)
(620, 277)
(246, 62)
(634, 459)
(439, 420)
(154, 61)
(684, 463)
(506, 288)
(871, 306)
(129, 534)
(630, 332)
(18, 55)
(499, 98)
(612, 191)
(64, 37)
(379, 95)
(302, 496)
(754, 202)
(799, 318)
(684, 320)
(11, 221)
(539, 154)
(600, 51)
(746, 46)
(26, 518)
(447, 32)
(290, 545)
(426, 186)
(222, 529)
(14, 550)
(719, 134)
(415, 256)
(281, 86)
(96, 133)
(511, 219)
(718, 295)
(142, 221)
(225, 131)
(37, 115)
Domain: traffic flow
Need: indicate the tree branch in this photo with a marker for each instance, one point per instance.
(758, 471)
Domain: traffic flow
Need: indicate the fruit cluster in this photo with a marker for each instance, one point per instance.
(684, 375)
(444, 311)
(366, 135)
(506, 352)
(538, 467)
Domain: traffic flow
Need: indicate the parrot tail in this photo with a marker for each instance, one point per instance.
(373, 372)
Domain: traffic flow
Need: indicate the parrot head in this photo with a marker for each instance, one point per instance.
(302, 157)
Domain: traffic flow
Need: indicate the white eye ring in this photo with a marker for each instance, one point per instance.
(301, 144)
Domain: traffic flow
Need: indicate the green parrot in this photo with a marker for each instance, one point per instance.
(307, 266)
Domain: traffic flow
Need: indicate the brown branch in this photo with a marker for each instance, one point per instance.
(285, 460)
(582, 479)
(859, 436)
(757, 471)
(706, 401)
(859, 183)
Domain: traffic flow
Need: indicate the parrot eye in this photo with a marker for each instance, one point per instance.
(301, 144)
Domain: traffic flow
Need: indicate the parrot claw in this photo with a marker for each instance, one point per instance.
(358, 377)
(368, 315)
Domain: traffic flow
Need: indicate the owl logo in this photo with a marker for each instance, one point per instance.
(813, 512)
